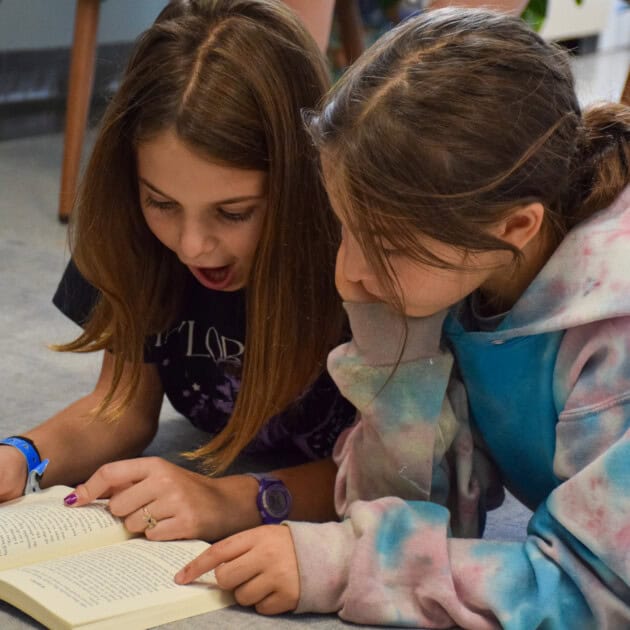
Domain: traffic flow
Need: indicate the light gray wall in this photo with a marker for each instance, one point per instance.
(34, 24)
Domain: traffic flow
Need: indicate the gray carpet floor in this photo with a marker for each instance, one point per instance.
(36, 382)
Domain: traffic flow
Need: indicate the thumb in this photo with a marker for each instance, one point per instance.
(107, 480)
(79, 496)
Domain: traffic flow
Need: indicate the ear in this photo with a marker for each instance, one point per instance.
(521, 226)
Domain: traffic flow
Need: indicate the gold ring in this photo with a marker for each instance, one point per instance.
(148, 518)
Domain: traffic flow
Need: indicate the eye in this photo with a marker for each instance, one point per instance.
(390, 252)
(236, 217)
(388, 249)
(164, 206)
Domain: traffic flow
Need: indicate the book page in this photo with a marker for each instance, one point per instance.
(132, 578)
(39, 526)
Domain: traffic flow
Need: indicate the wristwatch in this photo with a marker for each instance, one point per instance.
(273, 499)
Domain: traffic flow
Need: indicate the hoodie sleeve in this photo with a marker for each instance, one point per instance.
(404, 420)
(393, 561)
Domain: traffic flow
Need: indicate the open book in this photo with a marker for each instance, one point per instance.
(80, 568)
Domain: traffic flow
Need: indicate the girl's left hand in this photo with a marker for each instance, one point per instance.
(168, 502)
(259, 565)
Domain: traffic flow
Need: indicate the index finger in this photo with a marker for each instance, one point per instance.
(220, 552)
(107, 479)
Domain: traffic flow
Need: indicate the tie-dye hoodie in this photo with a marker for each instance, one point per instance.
(396, 560)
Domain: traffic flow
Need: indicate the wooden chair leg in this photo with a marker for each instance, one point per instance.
(78, 103)
(351, 30)
(625, 95)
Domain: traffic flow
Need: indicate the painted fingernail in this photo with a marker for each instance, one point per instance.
(71, 499)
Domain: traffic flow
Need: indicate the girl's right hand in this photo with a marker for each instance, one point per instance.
(13, 473)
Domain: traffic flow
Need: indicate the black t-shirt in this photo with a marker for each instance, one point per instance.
(199, 360)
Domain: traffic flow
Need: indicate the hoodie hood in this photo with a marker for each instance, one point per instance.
(587, 279)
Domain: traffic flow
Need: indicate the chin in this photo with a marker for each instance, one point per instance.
(237, 286)
(419, 311)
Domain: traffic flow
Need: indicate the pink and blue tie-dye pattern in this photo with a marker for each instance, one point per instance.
(395, 561)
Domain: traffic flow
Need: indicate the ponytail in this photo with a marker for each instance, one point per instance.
(602, 160)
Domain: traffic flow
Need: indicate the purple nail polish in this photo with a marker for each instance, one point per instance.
(71, 499)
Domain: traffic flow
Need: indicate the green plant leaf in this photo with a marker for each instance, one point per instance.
(536, 11)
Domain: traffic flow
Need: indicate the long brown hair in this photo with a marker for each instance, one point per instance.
(230, 77)
(452, 120)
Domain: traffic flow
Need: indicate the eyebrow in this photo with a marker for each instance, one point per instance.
(216, 203)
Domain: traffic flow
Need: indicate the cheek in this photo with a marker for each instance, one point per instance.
(245, 241)
(256, 231)
(151, 222)
(420, 284)
(160, 228)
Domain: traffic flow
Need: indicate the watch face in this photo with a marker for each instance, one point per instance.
(276, 501)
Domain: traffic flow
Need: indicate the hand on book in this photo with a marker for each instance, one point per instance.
(183, 504)
(259, 565)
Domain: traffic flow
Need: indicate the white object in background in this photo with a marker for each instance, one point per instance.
(617, 32)
(568, 20)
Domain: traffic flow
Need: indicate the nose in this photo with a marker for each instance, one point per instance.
(354, 267)
(195, 240)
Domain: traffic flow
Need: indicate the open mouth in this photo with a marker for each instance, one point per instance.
(216, 278)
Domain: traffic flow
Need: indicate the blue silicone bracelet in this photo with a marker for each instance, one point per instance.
(33, 460)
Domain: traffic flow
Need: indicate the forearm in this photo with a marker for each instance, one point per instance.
(571, 571)
(77, 443)
(405, 422)
(312, 488)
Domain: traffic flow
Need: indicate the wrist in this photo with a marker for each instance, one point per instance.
(273, 499)
(323, 552)
(35, 467)
(17, 466)
(249, 515)
(238, 495)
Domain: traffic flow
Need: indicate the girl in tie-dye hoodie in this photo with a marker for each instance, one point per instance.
(476, 198)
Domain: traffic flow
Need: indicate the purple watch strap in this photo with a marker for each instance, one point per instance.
(273, 499)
